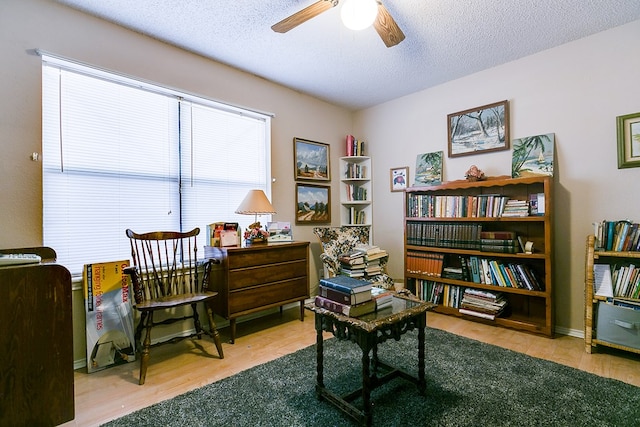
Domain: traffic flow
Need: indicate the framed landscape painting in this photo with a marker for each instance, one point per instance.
(533, 155)
(628, 140)
(429, 169)
(311, 160)
(479, 130)
(313, 204)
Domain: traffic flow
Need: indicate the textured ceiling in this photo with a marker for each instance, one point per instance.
(445, 39)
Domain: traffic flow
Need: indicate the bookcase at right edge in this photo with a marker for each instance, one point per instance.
(612, 315)
(463, 246)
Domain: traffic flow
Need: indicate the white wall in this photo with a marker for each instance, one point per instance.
(575, 91)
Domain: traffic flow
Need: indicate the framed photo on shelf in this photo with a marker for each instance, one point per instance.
(399, 178)
(479, 130)
(628, 140)
(311, 160)
(313, 204)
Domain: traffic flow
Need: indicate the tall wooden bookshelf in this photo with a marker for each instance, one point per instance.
(606, 324)
(453, 210)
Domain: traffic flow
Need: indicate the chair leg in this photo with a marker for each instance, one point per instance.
(146, 348)
(196, 321)
(214, 332)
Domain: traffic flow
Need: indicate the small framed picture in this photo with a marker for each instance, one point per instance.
(313, 204)
(628, 140)
(479, 130)
(399, 178)
(311, 160)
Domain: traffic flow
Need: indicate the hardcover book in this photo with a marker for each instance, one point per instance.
(344, 297)
(346, 309)
(346, 284)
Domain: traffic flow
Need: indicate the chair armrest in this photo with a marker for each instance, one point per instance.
(330, 263)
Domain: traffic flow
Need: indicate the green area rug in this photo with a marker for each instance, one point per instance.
(469, 383)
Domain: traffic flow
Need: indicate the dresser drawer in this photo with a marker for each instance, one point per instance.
(248, 277)
(618, 325)
(268, 295)
(269, 254)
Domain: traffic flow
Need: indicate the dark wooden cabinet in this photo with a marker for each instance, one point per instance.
(259, 277)
(36, 362)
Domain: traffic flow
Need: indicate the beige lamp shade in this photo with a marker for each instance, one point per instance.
(255, 202)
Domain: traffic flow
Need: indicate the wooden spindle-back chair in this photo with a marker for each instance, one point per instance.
(166, 274)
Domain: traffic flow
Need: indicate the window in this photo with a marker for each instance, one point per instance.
(120, 153)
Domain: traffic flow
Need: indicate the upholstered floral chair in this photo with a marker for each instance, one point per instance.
(338, 240)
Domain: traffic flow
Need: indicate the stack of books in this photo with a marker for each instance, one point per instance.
(516, 208)
(352, 264)
(346, 295)
(382, 297)
(373, 255)
(484, 304)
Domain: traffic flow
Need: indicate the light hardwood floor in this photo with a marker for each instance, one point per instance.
(177, 368)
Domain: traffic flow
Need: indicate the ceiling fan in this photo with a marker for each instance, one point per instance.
(384, 23)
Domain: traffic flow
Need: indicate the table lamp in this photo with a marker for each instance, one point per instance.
(255, 202)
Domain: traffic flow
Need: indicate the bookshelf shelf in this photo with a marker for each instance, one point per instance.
(445, 222)
(355, 191)
(607, 323)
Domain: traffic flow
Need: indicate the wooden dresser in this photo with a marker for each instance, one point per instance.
(259, 277)
(36, 362)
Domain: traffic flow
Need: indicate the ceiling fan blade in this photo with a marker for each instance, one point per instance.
(387, 28)
(304, 15)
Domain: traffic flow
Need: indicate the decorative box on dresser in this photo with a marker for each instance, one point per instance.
(258, 277)
(528, 310)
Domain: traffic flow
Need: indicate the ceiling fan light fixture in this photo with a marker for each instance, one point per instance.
(359, 14)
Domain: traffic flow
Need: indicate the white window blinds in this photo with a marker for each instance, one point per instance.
(119, 154)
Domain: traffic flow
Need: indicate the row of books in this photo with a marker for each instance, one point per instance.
(622, 282)
(356, 216)
(462, 236)
(474, 302)
(620, 235)
(474, 269)
(351, 297)
(444, 234)
(356, 192)
(354, 147)
(468, 206)
(355, 171)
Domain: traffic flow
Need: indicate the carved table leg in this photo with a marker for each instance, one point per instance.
(422, 384)
(319, 355)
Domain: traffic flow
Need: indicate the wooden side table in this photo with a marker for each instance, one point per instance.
(407, 313)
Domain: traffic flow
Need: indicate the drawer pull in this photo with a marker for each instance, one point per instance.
(626, 325)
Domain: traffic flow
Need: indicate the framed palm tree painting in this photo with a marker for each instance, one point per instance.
(533, 155)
